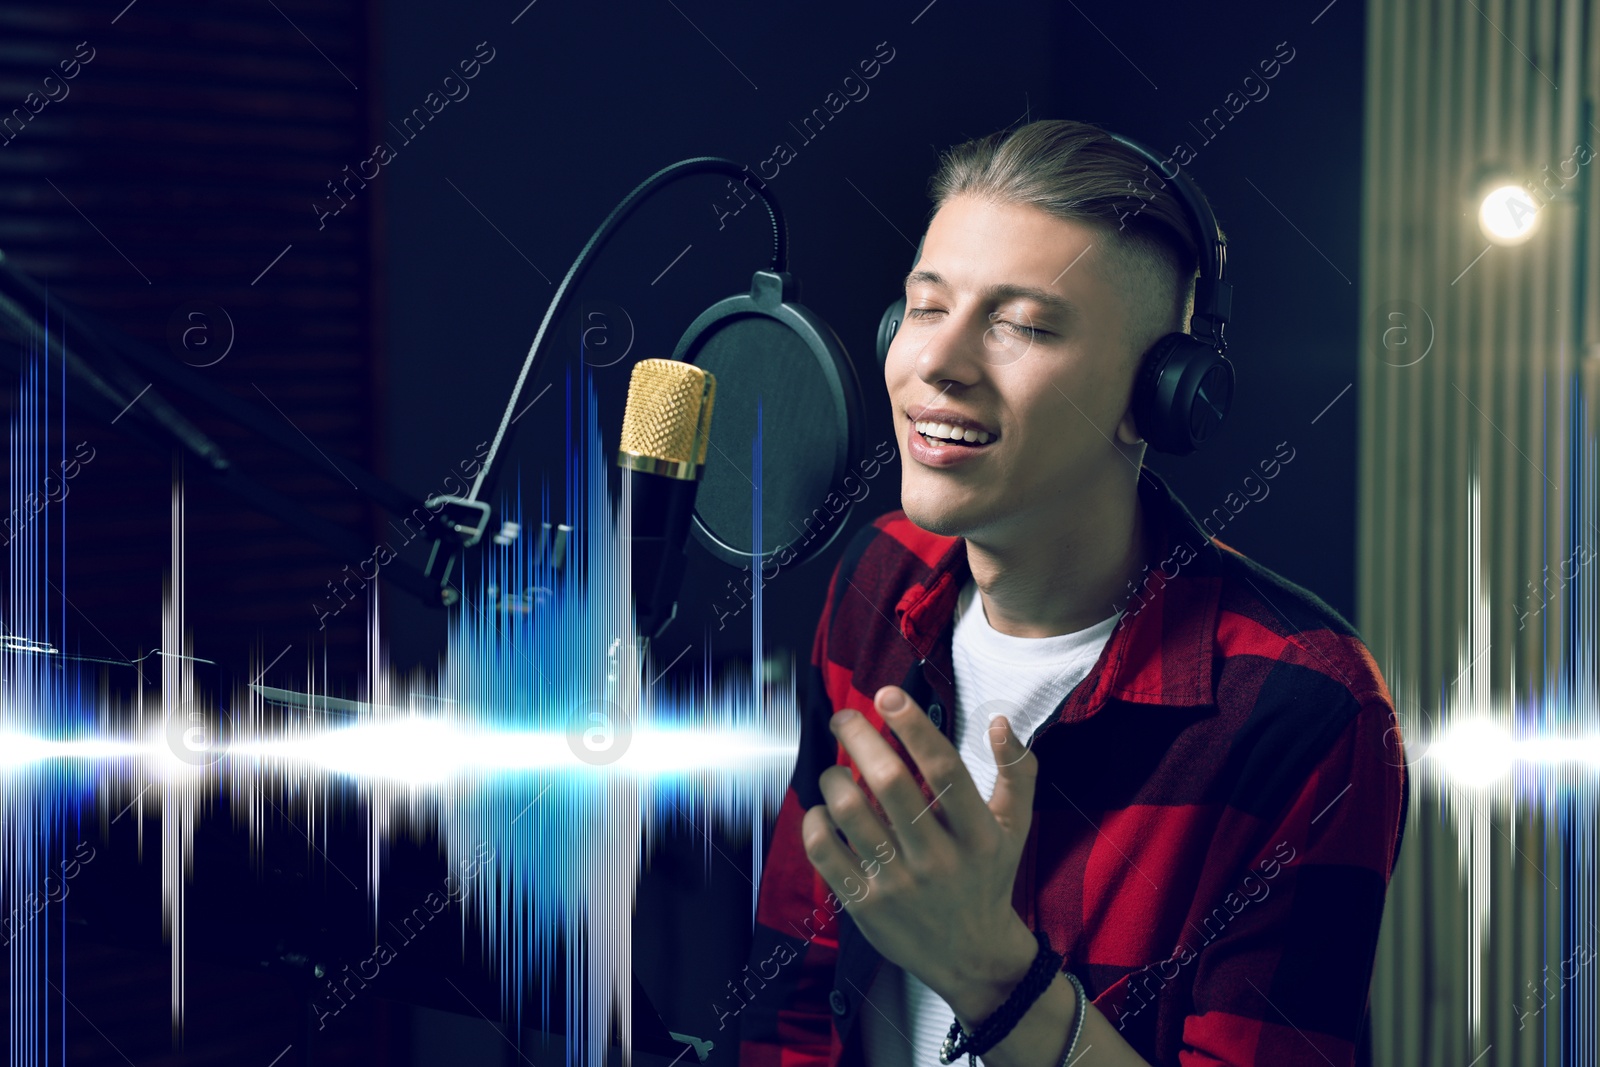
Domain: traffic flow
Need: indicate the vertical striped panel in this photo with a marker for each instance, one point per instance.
(1451, 90)
(186, 157)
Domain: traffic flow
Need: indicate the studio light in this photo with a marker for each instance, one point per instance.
(1507, 214)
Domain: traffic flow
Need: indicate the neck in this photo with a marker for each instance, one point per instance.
(1068, 577)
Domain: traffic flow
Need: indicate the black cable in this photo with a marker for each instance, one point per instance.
(484, 484)
(113, 387)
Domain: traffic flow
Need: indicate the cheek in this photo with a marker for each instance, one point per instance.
(898, 363)
(1087, 397)
(894, 372)
(1049, 441)
(1041, 423)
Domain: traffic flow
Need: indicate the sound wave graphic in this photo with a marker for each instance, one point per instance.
(1489, 758)
(548, 753)
(545, 755)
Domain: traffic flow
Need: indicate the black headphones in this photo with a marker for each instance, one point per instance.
(1184, 386)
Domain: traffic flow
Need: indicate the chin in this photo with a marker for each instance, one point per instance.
(929, 510)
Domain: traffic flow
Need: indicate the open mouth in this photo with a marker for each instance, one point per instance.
(941, 435)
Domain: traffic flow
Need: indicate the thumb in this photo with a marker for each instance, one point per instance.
(1018, 767)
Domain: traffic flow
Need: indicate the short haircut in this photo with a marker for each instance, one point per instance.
(1080, 173)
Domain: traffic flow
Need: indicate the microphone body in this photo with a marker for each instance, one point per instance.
(661, 510)
(665, 433)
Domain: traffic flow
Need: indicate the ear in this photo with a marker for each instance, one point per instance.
(1127, 431)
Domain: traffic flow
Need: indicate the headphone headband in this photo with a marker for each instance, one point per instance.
(1213, 294)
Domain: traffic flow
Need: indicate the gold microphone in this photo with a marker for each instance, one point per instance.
(666, 429)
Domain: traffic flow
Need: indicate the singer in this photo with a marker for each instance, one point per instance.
(1024, 824)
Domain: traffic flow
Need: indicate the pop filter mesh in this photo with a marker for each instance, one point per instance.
(804, 429)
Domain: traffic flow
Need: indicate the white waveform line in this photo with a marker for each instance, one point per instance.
(422, 750)
(425, 750)
(178, 797)
(1480, 752)
(23, 750)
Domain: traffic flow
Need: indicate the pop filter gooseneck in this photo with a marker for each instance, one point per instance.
(763, 347)
(484, 485)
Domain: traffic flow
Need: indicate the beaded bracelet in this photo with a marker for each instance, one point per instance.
(994, 1029)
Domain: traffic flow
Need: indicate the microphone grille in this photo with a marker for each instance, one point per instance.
(666, 424)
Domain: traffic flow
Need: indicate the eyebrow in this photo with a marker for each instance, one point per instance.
(1043, 297)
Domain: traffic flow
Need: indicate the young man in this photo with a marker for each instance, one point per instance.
(1196, 792)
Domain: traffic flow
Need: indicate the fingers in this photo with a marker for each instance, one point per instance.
(852, 812)
(885, 773)
(833, 860)
(956, 807)
(1012, 799)
(956, 797)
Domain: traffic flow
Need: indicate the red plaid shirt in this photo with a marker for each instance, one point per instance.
(1217, 813)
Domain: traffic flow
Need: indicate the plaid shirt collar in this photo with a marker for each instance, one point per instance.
(1164, 649)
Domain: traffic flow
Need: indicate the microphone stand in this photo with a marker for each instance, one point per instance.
(121, 381)
(116, 372)
(485, 482)
(120, 374)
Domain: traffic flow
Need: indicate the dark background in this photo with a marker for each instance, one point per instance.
(568, 119)
(193, 147)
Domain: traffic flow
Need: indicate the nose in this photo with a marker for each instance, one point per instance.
(949, 350)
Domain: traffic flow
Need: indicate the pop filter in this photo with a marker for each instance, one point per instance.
(764, 345)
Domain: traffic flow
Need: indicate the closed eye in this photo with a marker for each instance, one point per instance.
(1028, 332)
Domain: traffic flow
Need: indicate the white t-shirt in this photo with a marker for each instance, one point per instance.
(1025, 679)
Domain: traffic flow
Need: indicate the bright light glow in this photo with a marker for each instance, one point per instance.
(1475, 752)
(1508, 214)
(1552, 750)
(410, 750)
(1480, 752)
(425, 751)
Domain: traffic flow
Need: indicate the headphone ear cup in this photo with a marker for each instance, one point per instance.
(1182, 394)
(1148, 414)
(1211, 399)
(888, 326)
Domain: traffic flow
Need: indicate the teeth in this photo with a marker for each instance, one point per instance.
(954, 433)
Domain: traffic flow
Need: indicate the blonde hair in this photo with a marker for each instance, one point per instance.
(1080, 173)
